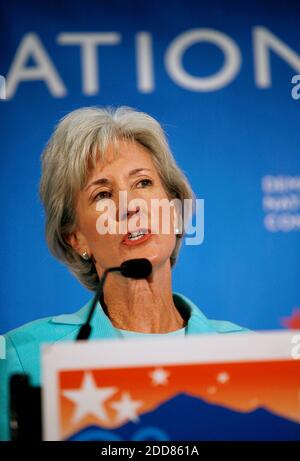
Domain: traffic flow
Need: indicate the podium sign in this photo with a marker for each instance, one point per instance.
(242, 386)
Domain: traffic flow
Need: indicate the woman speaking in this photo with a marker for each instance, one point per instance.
(94, 159)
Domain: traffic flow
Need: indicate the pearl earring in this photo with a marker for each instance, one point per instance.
(177, 230)
(85, 256)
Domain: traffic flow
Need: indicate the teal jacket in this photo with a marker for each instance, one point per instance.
(23, 344)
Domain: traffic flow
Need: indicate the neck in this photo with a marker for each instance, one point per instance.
(145, 305)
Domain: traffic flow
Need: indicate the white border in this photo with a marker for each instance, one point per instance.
(212, 348)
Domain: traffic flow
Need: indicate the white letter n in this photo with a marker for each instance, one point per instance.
(263, 42)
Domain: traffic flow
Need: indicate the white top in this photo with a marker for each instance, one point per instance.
(136, 334)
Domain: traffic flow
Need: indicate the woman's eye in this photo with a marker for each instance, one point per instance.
(102, 195)
(145, 182)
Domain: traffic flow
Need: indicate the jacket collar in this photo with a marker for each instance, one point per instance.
(101, 324)
(102, 327)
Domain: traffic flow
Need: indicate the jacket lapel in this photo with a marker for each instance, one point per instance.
(101, 325)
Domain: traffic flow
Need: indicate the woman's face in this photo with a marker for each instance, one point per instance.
(132, 172)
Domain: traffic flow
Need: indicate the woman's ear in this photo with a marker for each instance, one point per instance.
(77, 241)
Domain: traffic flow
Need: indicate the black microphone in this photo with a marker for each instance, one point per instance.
(136, 268)
(132, 268)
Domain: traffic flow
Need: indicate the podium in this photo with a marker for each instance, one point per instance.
(243, 386)
(25, 410)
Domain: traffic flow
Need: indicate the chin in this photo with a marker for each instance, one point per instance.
(156, 259)
(155, 253)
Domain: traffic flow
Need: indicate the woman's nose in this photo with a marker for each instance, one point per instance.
(127, 214)
(130, 213)
(129, 204)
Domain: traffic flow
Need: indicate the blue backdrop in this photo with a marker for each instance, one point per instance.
(218, 76)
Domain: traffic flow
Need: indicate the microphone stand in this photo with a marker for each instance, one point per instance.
(85, 330)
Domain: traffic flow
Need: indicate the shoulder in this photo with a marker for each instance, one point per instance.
(199, 323)
(22, 355)
(23, 344)
(224, 326)
(45, 329)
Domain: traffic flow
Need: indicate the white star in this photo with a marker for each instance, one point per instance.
(89, 399)
(126, 408)
(159, 376)
(223, 377)
(254, 402)
(211, 390)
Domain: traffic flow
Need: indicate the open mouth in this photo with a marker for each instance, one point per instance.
(137, 235)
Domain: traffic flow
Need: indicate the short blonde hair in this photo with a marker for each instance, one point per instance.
(79, 138)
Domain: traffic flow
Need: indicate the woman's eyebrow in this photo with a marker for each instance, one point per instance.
(137, 170)
(106, 181)
(98, 182)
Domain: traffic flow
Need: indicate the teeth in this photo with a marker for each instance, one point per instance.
(135, 235)
(136, 238)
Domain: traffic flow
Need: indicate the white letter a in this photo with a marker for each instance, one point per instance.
(31, 47)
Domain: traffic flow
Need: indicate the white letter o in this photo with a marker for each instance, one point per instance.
(174, 54)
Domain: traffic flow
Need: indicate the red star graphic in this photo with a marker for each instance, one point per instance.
(292, 322)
